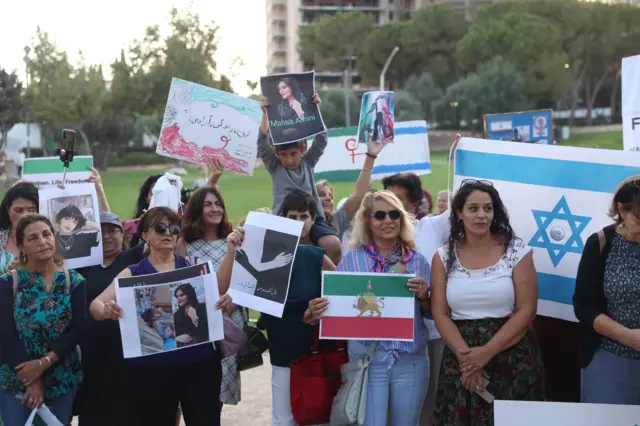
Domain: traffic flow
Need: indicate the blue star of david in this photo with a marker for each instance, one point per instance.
(574, 243)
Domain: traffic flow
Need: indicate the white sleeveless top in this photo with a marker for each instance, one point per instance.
(483, 293)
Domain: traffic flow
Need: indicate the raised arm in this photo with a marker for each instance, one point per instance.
(217, 168)
(314, 153)
(102, 196)
(226, 266)
(266, 152)
(104, 306)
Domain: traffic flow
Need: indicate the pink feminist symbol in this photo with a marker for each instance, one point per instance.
(352, 146)
(224, 140)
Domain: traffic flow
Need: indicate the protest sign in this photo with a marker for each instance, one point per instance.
(631, 103)
(366, 306)
(529, 126)
(526, 413)
(292, 114)
(262, 266)
(376, 117)
(169, 311)
(343, 157)
(46, 172)
(556, 197)
(75, 215)
(201, 123)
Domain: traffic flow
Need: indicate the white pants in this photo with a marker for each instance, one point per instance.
(435, 348)
(281, 414)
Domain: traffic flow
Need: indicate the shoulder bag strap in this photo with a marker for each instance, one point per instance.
(68, 279)
(602, 239)
(14, 274)
(372, 349)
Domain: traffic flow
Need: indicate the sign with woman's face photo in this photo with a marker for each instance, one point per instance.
(292, 114)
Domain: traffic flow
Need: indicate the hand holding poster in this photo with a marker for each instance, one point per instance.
(169, 310)
(631, 103)
(75, 216)
(568, 194)
(262, 267)
(292, 114)
(201, 123)
(46, 172)
(367, 306)
(376, 117)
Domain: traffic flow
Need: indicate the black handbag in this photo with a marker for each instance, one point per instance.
(250, 355)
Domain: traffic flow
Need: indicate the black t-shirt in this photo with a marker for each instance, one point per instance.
(76, 245)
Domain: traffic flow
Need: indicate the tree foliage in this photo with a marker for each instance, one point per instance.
(425, 90)
(407, 107)
(11, 104)
(333, 107)
(376, 49)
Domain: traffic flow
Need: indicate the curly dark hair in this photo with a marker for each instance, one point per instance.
(192, 224)
(25, 190)
(500, 226)
(141, 203)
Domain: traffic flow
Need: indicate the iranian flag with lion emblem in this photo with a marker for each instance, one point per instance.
(367, 306)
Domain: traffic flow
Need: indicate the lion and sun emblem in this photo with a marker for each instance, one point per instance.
(369, 302)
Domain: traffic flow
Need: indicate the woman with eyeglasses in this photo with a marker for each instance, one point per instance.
(156, 384)
(484, 293)
(606, 301)
(383, 242)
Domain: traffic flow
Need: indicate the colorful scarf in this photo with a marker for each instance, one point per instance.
(382, 264)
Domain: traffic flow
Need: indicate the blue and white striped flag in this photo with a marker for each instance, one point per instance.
(556, 197)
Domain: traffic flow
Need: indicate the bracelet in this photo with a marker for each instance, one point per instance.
(48, 357)
(371, 155)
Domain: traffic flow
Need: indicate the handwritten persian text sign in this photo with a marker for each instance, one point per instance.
(343, 158)
(631, 103)
(556, 197)
(201, 123)
(525, 413)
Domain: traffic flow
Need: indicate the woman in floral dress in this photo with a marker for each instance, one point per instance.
(205, 227)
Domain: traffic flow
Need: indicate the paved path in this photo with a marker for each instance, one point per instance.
(255, 407)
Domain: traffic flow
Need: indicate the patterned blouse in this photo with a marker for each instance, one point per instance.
(213, 251)
(357, 260)
(38, 321)
(6, 258)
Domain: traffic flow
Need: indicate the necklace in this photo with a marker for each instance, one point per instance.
(65, 244)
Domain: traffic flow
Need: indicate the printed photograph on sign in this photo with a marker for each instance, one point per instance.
(169, 311)
(201, 124)
(292, 114)
(367, 306)
(75, 216)
(527, 126)
(263, 263)
(376, 117)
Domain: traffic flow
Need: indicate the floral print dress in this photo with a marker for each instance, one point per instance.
(42, 316)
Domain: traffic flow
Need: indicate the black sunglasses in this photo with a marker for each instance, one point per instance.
(382, 215)
(162, 229)
(476, 182)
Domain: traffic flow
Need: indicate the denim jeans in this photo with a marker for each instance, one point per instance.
(397, 385)
(15, 414)
(611, 379)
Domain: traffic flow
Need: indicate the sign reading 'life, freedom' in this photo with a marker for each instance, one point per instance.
(631, 103)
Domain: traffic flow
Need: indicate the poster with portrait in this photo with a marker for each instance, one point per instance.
(376, 117)
(201, 124)
(168, 311)
(75, 216)
(292, 114)
(263, 263)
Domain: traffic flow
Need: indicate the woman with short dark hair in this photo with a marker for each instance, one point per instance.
(606, 302)
(71, 241)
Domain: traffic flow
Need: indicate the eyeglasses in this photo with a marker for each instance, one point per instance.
(382, 215)
(476, 182)
(162, 229)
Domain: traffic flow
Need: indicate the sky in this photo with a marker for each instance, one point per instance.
(102, 28)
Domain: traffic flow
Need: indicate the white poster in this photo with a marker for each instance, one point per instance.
(75, 215)
(46, 172)
(263, 263)
(631, 103)
(201, 123)
(344, 157)
(169, 311)
(556, 197)
(525, 413)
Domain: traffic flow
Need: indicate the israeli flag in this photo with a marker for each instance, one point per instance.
(556, 197)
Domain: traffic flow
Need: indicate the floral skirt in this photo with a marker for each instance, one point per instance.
(517, 372)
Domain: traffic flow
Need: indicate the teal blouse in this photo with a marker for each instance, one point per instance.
(37, 321)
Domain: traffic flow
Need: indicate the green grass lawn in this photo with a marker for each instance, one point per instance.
(608, 140)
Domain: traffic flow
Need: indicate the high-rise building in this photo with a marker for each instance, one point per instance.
(284, 17)
(469, 7)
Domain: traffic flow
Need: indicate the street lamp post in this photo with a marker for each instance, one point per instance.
(347, 88)
(27, 49)
(386, 65)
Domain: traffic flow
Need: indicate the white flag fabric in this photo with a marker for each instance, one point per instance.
(631, 103)
(556, 197)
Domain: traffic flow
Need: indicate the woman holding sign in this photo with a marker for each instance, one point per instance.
(191, 376)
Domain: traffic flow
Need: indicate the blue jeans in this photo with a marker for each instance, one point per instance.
(611, 379)
(14, 414)
(396, 387)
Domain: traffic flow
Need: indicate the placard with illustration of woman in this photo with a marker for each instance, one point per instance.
(292, 114)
